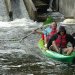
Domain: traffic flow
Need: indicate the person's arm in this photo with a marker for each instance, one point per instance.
(71, 40)
(41, 32)
(45, 39)
(51, 40)
(46, 32)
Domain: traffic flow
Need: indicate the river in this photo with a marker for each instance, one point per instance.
(23, 57)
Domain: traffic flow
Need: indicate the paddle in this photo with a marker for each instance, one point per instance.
(31, 33)
(46, 23)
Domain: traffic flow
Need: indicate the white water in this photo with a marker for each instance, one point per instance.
(16, 56)
(17, 29)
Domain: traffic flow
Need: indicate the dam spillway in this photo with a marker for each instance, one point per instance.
(36, 9)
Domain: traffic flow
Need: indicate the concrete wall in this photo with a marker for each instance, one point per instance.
(46, 1)
(32, 11)
(8, 5)
(9, 9)
(67, 7)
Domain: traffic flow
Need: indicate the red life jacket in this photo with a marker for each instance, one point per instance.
(61, 40)
(42, 36)
(51, 34)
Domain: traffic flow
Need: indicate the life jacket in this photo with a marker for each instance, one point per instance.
(42, 36)
(51, 34)
(61, 41)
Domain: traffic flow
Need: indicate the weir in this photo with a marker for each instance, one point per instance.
(37, 9)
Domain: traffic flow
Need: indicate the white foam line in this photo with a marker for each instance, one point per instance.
(12, 50)
(20, 22)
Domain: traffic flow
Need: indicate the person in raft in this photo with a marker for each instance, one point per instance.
(48, 32)
(59, 42)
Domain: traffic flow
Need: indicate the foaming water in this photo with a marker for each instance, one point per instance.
(24, 57)
(16, 30)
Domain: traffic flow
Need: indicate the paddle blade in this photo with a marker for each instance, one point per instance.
(48, 20)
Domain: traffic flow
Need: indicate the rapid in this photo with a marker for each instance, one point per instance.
(23, 57)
